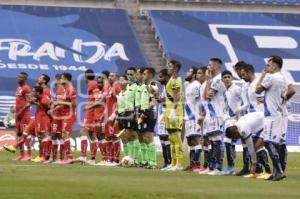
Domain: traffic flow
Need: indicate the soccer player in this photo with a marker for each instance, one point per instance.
(44, 153)
(42, 120)
(174, 114)
(99, 114)
(163, 78)
(137, 104)
(214, 93)
(148, 118)
(275, 86)
(203, 121)
(111, 123)
(255, 104)
(191, 114)
(249, 128)
(68, 112)
(131, 141)
(246, 156)
(87, 130)
(22, 116)
(233, 101)
(57, 121)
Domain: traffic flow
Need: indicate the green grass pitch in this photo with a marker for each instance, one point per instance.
(28, 180)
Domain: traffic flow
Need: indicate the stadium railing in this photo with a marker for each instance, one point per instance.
(281, 2)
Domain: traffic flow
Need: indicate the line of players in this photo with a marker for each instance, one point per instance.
(126, 107)
(256, 113)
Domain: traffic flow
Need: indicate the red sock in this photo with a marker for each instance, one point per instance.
(102, 146)
(93, 148)
(49, 149)
(21, 146)
(61, 150)
(40, 149)
(84, 144)
(44, 149)
(20, 140)
(68, 149)
(109, 150)
(116, 150)
(54, 149)
(28, 143)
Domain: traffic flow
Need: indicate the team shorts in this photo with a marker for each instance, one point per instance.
(274, 128)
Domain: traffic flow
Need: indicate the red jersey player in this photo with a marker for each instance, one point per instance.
(111, 124)
(67, 99)
(87, 129)
(22, 115)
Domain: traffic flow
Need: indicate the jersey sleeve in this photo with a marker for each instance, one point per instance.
(267, 81)
(73, 94)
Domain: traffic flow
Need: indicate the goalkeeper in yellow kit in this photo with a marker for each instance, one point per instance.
(174, 115)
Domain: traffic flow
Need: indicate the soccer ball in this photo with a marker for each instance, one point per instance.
(127, 161)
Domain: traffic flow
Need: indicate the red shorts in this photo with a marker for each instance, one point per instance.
(22, 124)
(67, 125)
(111, 128)
(42, 124)
(31, 128)
(56, 126)
(89, 120)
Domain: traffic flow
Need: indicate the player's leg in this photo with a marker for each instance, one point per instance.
(66, 135)
(283, 153)
(207, 154)
(197, 143)
(246, 161)
(166, 151)
(217, 153)
(230, 155)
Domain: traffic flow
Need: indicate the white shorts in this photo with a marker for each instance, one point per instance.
(274, 126)
(285, 121)
(161, 129)
(192, 128)
(211, 124)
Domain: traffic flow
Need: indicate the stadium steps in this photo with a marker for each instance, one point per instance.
(144, 33)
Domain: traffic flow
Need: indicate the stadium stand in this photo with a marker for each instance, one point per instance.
(281, 2)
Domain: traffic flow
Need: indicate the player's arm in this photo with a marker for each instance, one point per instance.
(290, 92)
(260, 86)
(27, 103)
(208, 93)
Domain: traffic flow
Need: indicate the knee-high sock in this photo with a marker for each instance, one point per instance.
(218, 153)
(61, 150)
(206, 157)
(273, 152)
(93, 149)
(192, 155)
(102, 146)
(178, 148)
(110, 151)
(283, 153)
(84, 145)
(262, 158)
(54, 149)
(246, 159)
(136, 149)
(230, 152)
(172, 148)
(144, 153)
(68, 149)
(116, 151)
(28, 143)
(152, 153)
(125, 149)
(197, 157)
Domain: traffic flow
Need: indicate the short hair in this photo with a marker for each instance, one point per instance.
(46, 78)
(194, 68)
(151, 70)
(203, 69)
(68, 76)
(141, 69)
(38, 89)
(249, 68)
(240, 65)
(89, 74)
(164, 72)
(58, 76)
(130, 68)
(226, 72)
(23, 73)
(106, 73)
(177, 64)
(218, 60)
(277, 60)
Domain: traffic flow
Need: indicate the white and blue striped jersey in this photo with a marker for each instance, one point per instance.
(276, 88)
(192, 100)
(253, 97)
(250, 124)
(233, 100)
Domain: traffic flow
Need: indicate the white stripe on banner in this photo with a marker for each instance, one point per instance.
(5, 97)
(7, 102)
